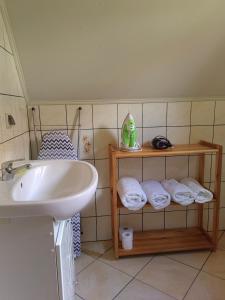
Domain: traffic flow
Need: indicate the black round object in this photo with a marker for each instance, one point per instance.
(161, 142)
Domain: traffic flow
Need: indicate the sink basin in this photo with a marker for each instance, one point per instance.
(57, 188)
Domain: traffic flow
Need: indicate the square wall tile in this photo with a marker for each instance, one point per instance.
(102, 139)
(178, 113)
(223, 168)
(150, 133)
(88, 228)
(103, 202)
(192, 218)
(205, 219)
(134, 109)
(154, 114)
(89, 210)
(130, 167)
(104, 228)
(175, 219)
(222, 195)
(85, 116)
(202, 112)
(53, 115)
(222, 219)
(220, 112)
(178, 135)
(86, 144)
(153, 221)
(102, 166)
(105, 115)
(219, 136)
(194, 167)
(176, 167)
(132, 220)
(201, 133)
(154, 168)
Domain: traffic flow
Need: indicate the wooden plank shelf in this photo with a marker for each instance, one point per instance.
(170, 240)
(177, 150)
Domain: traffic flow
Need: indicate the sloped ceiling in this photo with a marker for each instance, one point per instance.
(104, 49)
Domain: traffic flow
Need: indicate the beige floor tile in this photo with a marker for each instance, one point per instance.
(141, 291)
(129, 265)
(221, 244)
(207, 287)
(100, 282)
(193, 259)
(215, 265)
(82, 262)
(169, 276)
(96, 249)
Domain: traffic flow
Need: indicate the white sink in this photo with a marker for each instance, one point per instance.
(57, 188)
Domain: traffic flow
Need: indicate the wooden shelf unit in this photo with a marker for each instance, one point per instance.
(168, 240)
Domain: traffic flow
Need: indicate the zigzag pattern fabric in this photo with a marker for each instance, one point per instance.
(57, 145)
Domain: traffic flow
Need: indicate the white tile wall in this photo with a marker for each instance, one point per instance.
(14, 140)
(154, 114)
(105, 116)
(100, 125)
(219, 113)
(179, 114)
(202, 113)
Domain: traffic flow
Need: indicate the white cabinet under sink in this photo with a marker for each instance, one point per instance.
(36, 259)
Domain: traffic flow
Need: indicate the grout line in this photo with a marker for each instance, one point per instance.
(155, 288)
(202, 271)
(6, 50)
(11, 95)
(79, 296)
(132, 278)
(16, 136)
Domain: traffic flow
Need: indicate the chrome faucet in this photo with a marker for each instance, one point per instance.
(8, 172)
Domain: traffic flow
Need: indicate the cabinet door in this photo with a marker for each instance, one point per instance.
(66, 271)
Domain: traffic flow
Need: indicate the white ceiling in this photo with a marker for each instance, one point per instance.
(104, 49)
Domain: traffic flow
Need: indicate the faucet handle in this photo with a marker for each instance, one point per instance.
(9, 163)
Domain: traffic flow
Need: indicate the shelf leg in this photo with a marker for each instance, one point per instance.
(115, 223)
(201, 181)
(216, 207)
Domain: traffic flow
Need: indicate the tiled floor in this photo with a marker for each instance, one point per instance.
(189, 276)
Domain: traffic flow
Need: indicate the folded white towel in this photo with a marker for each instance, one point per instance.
(202, 195)
(179, 192)
(131, 194)
(157, 196)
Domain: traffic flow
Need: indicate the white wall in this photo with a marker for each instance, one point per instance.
(14, 141)
(129, 49)
(182, 122)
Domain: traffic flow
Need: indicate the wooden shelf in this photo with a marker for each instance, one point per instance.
(161, 241)
(169, 240)
(147, 151)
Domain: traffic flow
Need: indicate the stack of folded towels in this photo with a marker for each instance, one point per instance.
(134, 195)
